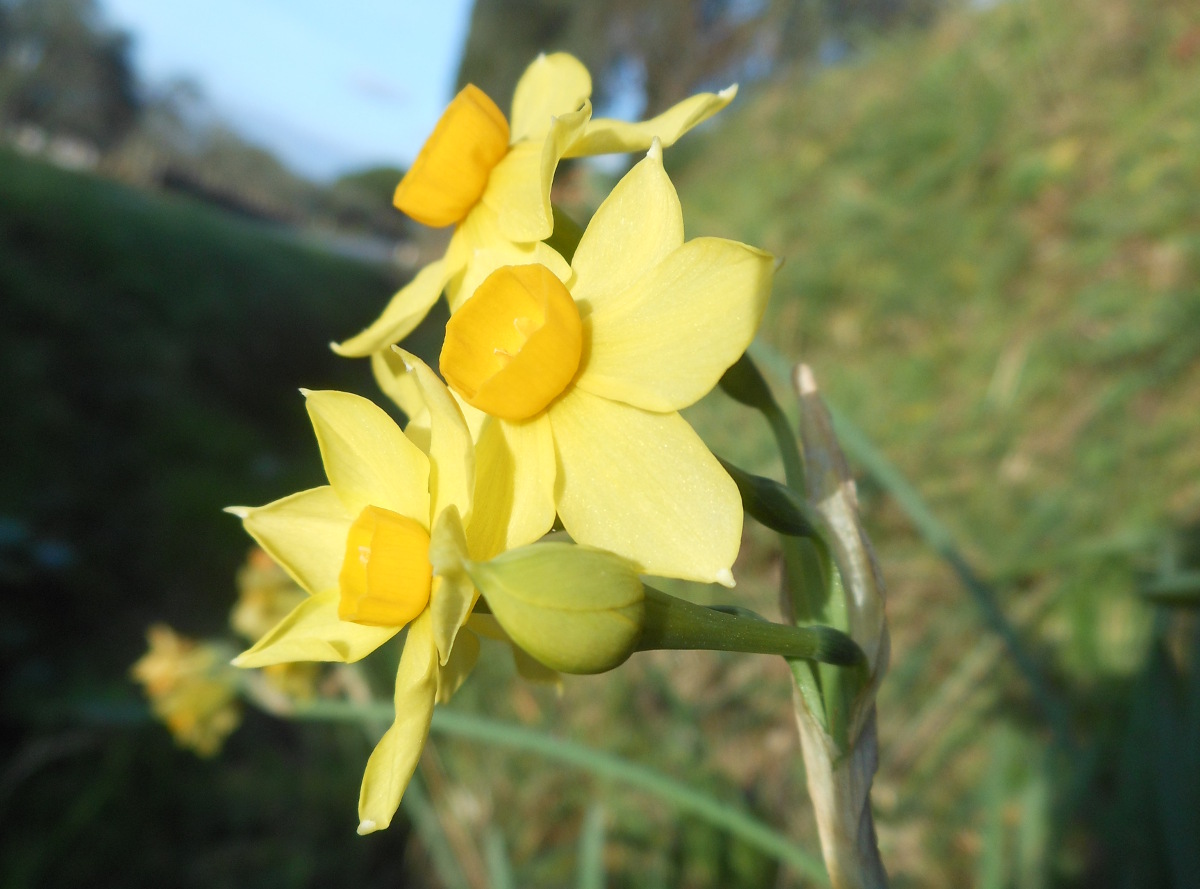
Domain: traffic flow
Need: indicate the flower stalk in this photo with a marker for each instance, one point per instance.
(841, 756)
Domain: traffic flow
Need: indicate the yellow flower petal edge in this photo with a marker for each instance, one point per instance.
(452, 674)
(519, 188)
(301, 532)
(403, 313)
(368, 460)
(514, 486)
(391, 373)
(645, 486)
(635, 228)
(552, 85)
(394, 759)
(456, 596)
(313, 632)
(451, 452)
(637, 355)
(604, 136)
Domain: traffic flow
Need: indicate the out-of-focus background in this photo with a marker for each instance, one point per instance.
(989, 215)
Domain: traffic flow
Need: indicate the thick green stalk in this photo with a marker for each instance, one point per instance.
(674, 623)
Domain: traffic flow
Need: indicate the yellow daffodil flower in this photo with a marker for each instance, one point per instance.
(572, 380)
(491, 178)
(191, 689)
(378, 549)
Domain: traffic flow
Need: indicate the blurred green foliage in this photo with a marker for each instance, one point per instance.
(151, 352)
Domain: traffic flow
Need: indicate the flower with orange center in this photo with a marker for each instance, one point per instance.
(572, 380)
(377, 550)
(491, 178)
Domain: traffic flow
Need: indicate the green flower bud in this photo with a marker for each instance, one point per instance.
(573, 608)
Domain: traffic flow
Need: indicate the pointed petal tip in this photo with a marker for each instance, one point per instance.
(725, 578)
(406, 357)
(240, 511)
(655, 149)
(367, 826)
(239, 661)
(305, 392)
(729, 92)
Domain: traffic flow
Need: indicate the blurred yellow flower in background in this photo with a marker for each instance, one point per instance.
(266, 595)
(191, 688)
(492, 177)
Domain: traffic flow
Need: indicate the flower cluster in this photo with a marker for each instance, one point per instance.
(561, 381)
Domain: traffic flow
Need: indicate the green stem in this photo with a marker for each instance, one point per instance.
(673, 623)
(860, 449)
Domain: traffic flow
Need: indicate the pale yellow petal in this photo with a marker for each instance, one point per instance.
(514, 486)
(451, 453)
(368, 460)
(455, 671)
(639, 224)
(453, 594)
(305, 533)
(643, 485)
(664, 342)
(394, 759)
(519, 188)
(553, 85)
(398, 385)
(406, 310)
(312, 632)
(475, 419)
(603, 136)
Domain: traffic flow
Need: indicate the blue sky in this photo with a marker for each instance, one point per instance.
(328, 86)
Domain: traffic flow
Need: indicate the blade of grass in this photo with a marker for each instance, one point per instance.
(591, 849)
(420, 812)
(724, 815)
(498, 865)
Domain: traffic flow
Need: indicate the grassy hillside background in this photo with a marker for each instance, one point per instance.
(991, 245)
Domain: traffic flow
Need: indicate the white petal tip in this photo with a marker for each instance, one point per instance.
(238, 661)
(725, 578)
(367, 826)
(655, 149)
(806, 383)
(306, 392)
(729, 92)
(240, 511)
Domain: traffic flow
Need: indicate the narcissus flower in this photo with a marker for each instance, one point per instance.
(576, 378)
(191, 689)
(379, 549)
(491, 178)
